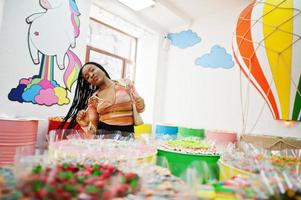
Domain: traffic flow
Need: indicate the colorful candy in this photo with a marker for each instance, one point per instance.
(191, 146)
(69, 181)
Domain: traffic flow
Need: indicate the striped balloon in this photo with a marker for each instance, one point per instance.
(267, 47)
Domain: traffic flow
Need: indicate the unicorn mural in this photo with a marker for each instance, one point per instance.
(51, 34)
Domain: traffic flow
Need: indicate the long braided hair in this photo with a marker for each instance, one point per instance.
(83, 92)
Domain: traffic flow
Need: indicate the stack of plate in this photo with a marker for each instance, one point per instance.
(17, 135)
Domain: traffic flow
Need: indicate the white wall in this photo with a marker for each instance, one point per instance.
(1, 11)
(15, 58)
(146, 71)
(210, 98)
(161, 83)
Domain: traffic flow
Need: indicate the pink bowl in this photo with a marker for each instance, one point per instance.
(17, 144)
(21, 135)
(221, 137)
(11, 150)
(14, 134)
(17, 126)
(6, 162)
(16, 141)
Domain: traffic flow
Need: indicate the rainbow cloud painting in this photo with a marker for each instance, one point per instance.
(51, 36)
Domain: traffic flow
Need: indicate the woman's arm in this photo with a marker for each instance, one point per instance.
(139, 101)
(139, 104)
(88, 121)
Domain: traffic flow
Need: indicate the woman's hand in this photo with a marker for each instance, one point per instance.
(81, 118)
(93, 101)
(88, 135)
(139, 102)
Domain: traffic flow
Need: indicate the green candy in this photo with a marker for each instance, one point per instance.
(50, 189)
(95, 166)
(37, 169)
(91, 189)
(80, 179)
(65, 165)
(224, 189)
(134, 183)
(79, 166)
(66, 175)
(71, 189)
(37, 185)
(97, 173)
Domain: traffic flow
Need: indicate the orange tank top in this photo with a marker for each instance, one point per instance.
(120, 112)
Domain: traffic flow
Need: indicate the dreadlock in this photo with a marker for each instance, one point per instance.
(83, 92)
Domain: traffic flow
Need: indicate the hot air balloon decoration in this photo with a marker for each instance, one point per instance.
(267, 48)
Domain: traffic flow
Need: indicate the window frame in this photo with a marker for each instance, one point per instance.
(90, 48)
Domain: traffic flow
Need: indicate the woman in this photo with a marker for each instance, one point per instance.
(101, 104)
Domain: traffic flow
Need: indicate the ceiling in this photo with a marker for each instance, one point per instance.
(175, 13)
(167, 15)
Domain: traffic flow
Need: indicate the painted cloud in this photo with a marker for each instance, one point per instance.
(184, 39)
(217, 58)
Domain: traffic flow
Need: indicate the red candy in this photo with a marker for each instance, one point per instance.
(69, 181)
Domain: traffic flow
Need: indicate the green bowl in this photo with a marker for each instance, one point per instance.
(178, 162)
(191, 132)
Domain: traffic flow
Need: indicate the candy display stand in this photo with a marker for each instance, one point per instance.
(54, 123)
(16, 133)
(150, 159)
(221, 137)
(227, 171)
(144, 129)
(166, 131)
(191, 132)
(98, 150)
(178, 162)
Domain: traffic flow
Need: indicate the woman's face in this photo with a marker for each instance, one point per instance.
(94, 75)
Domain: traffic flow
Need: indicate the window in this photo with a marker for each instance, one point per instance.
(114, 49)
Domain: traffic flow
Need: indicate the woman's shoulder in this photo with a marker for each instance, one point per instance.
(124, 82)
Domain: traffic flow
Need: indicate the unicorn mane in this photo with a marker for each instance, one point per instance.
(74, 17)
